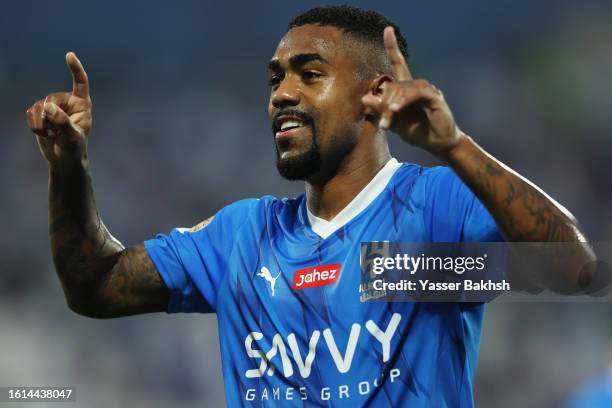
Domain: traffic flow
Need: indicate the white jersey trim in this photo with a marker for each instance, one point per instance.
(365, 197)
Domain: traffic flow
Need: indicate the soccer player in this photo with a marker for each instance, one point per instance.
(338, 83)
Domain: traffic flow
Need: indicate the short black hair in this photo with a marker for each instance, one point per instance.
(364, 25)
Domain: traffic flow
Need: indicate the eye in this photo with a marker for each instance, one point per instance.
(274, 81)
(311, 75)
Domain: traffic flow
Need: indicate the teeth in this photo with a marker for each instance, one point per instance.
(290, 124)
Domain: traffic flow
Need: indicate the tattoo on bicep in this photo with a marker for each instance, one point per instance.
(134, 280)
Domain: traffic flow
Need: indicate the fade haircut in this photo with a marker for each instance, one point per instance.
(364, 27)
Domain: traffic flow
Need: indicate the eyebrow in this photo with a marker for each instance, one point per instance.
(296, 61)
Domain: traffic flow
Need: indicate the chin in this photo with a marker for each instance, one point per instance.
(300, 166)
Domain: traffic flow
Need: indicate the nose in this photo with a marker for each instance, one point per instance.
(287, 94)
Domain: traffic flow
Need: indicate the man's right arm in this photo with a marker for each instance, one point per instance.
(99, 276)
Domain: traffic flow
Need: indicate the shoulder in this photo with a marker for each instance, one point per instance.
(440, 175)
(427, 185)
(247, 205)
(233, 213)
(264, 203)
(257, 207)
(239, 208)
(413, 173)
(442, 180)
(420, 182)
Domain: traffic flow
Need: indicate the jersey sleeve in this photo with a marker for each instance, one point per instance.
(453, 213)
(193, 262)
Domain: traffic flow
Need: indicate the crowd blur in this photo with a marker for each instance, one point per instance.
(180, 130)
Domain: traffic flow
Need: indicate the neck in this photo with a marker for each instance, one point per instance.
(327, 198)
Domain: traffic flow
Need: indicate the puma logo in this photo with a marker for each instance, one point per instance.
(265, 273)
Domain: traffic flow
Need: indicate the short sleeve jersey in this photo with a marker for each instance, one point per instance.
(323, 345)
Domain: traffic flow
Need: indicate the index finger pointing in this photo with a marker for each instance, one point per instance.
(398, 63)
(80, 83)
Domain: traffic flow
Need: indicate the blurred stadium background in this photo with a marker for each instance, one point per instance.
(180, 130)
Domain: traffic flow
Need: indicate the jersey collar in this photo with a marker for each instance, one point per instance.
(365, 197)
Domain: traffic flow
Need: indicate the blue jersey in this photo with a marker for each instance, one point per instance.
(597, 393)
(294, 328)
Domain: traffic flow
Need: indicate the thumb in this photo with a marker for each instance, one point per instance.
(60, 120)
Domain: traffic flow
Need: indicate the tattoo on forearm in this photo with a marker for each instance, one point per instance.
(523, 212)
(98, 274)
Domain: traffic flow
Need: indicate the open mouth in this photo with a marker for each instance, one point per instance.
(289, 124)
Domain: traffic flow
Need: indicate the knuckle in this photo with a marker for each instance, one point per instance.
(57, 97)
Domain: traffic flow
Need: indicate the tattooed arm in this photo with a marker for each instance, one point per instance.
(99, 276)
(524, 213)
(417, 111)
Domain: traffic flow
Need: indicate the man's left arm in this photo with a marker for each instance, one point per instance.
(522, 211)
(525, 213)
(418, 113)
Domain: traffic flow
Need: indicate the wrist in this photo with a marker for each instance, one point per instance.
(65, 168)
(461, 151)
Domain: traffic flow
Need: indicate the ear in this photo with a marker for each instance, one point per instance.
(375, 90)
(377, 84)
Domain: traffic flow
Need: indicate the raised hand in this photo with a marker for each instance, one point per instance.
(413, 108)
(62, 120)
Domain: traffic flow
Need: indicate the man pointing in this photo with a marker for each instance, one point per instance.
(338, 82)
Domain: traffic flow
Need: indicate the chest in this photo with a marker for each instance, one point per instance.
(281, 276)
